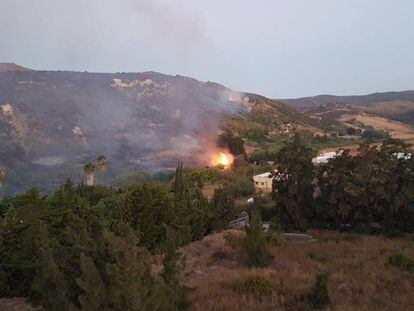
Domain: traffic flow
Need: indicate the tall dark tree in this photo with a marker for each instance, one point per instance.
(233, 142)
(255, 244)
(293, 191)
(171, 270)
(223, 209)
(147, 209)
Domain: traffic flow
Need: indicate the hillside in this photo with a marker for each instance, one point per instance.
(392, 111)
(359, 279)
(305, 103)
(52, 122)
(5, 67)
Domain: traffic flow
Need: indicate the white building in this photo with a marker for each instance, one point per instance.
(402, 155)
(325, 157)
(263, 182)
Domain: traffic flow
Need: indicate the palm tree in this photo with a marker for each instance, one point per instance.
(2, 176)
(89, 170)
(102, 164)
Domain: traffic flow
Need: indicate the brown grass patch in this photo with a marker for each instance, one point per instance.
(359, 279)
(396, 129)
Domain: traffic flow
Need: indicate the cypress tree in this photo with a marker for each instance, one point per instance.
(255, 244)
(94, 293)
(170, 270)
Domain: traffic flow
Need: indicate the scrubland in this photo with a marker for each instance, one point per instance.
(359, 278)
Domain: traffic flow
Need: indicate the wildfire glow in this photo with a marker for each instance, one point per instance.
(224, 160)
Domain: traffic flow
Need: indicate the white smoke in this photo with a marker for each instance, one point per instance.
(88, 34)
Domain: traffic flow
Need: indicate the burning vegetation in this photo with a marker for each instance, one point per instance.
(224, 160)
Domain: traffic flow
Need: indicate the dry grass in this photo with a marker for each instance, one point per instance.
(396, 129)
(14, 304)
(359, 279)
(393, 107)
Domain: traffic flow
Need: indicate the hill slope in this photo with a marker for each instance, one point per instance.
(305, 103)
(379, 110)
(51, 122)
(215, 268)
(5, 67)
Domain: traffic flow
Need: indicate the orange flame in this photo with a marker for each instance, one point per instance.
(224, 160)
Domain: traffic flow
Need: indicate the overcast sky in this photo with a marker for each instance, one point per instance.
(278, 48)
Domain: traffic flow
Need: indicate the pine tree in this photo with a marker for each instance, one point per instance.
(170, 270)
(180, 189)
(130, 283)
(255, 244)
(94, 293)
(49, 288)
(146, 209)
(319, 295)
(20, 233)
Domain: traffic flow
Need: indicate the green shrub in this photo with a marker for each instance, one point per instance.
(318, 297)
(351, 131)
(258, 156)
(235, 242)
(374, 134)
(257, 134)
(276, 239)
(241, 186)
(257, 285)
(400, 261)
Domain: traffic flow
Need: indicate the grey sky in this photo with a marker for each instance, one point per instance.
(278, 48)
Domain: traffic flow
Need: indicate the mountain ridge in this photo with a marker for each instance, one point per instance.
(52, 122)
(307, 102)
(5, 67)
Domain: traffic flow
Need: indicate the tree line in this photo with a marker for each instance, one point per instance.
(89, 248)
(370, 191)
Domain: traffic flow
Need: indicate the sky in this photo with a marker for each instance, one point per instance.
(277, 48)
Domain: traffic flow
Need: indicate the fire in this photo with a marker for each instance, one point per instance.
(224, 160)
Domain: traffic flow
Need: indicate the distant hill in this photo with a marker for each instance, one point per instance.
(305, 103)
(4, 67)
(396, 106)
(52, 122)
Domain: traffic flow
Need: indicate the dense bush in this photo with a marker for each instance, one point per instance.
(257, 134)
(351, 131)
(400, 261)
(375, 134)
(240, 186)
(318, 297)
(257, 285)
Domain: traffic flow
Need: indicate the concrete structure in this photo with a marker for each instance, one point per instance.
(263, 182)
(241, 222)
(244, 221)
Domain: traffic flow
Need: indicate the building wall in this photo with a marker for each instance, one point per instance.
(263, 184)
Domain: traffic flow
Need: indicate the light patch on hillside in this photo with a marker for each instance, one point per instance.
(392, 107)
(7, 111)
(50, 161)
(396, 129)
